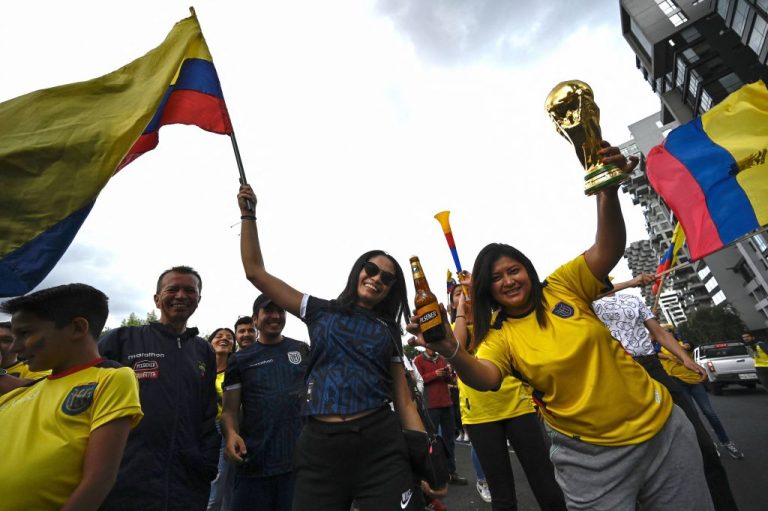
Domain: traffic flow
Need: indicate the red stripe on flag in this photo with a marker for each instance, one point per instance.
(196, 108)
(670, 178)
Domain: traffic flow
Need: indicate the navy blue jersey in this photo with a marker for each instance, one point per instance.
(352, 352)
(271, 381)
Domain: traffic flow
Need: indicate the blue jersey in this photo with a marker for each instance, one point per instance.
(352, 354)
(271, 381)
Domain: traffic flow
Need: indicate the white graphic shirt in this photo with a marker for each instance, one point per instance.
(625, 316)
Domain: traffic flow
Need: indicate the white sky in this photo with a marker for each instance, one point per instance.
(357, 122)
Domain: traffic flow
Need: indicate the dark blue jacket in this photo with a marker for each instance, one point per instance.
(172, 455)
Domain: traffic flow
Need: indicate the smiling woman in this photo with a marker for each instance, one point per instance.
(351, 447)
(618, 441)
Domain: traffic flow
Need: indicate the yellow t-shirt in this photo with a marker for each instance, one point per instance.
(587, 385)
(511, 400)
(219, 393)
(21, 370)
(761, 357)
(44, 431)
(673, 367)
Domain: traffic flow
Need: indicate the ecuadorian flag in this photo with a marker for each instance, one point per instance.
(713, 172)
(60, 146)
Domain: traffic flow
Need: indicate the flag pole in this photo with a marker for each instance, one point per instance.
(235, 148)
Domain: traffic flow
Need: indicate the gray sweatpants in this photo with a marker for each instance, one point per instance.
(663, 474)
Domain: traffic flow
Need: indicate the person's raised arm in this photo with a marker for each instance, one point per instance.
(641, 280)
(477, 373)
(253, 263)
(611, 236)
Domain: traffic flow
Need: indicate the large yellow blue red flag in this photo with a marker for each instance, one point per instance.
(713, 171)
(60, 146)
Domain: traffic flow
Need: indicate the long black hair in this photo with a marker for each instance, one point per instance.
(483, 302)
(393, 307)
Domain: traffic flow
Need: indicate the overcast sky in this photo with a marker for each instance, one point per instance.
(357, 122)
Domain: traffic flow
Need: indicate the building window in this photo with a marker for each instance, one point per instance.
(672, 11)
(730, 82)
(757, 38)
(704, 272)
(739, 17)
(706, 102)
(763, 4)
(681, 68)
(722, 8)
(693, 85)
(719, 297)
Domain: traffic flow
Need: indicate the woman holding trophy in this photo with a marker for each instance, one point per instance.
(618, 441)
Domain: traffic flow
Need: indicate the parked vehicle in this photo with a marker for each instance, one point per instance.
(727, 363)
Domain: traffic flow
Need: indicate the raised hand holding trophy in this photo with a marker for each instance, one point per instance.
(571, 106)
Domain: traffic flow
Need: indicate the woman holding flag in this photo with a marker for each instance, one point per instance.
(618, 442)
(351, 447)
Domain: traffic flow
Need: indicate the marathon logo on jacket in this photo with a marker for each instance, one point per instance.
(146, 369)
(79, 399)
(201, 367)
(563, 310)
(294, 357)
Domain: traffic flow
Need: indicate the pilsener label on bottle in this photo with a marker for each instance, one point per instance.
(429, 316)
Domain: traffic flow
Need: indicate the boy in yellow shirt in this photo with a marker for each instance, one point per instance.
(65, 433)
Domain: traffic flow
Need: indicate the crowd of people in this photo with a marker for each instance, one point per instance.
(592, 394)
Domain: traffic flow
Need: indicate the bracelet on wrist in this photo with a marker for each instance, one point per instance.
(457, 317)
(248, 217)
(455, 352)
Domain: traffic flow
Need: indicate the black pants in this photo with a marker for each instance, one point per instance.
(526, 437)
(717, 479)
(365, 460)
(445, 423)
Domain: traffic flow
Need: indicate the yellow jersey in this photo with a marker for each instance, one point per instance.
(21, 370)
(585, 383)
(675, 368)
(44, 430)
(219, 393)
(761, 357)
(511, 400)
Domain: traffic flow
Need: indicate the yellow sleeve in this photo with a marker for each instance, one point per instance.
(576, 278)
(496, 349)
(117, 396)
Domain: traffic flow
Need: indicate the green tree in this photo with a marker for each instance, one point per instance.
(719, 323)
(134, 320)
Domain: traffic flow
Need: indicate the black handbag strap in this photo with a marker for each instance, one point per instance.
(415, 394)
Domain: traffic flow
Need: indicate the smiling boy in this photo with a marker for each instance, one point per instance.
(63, 436)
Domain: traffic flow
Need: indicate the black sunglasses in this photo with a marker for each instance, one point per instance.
(372, 270)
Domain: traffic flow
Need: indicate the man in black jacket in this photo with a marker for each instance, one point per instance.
(172, 456)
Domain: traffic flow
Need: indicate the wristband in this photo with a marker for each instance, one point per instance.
(455, 352)
(457, 317)
(248, 217)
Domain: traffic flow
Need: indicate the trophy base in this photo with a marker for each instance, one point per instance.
(601, 177)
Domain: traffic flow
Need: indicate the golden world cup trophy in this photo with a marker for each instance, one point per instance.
(571, 106)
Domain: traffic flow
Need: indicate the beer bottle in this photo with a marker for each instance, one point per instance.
(427, 308)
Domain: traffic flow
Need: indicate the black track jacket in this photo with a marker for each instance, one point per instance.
(172, 455)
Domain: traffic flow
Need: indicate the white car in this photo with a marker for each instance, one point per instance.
(727, 363)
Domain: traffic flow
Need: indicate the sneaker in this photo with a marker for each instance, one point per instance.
(457, 479)
(733, 450)
(482, 489)
(436, 505)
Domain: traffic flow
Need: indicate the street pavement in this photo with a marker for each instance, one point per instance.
(744, 414)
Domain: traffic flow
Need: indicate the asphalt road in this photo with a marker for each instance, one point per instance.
(744, 414)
